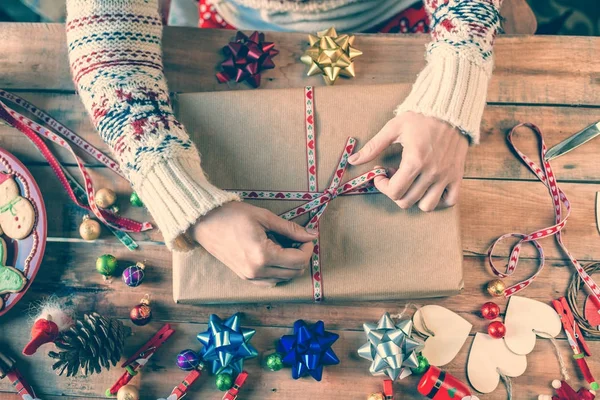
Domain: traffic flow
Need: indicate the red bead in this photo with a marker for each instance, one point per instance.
(496, 329)
(490, 310)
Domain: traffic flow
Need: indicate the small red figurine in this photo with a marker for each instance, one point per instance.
(490, 310)
(496, 329)
(52, 319)
(566, 392)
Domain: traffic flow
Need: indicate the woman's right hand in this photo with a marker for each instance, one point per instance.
(236, 234)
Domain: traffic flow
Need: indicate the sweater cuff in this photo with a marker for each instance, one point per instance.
(177, 193)
(450, 88)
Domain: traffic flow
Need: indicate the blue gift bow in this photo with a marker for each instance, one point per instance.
(226, 344)
(308, 350)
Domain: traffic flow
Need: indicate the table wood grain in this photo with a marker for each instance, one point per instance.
(553, 82)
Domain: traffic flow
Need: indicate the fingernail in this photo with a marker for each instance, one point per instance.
(312, 231)
(353, 158)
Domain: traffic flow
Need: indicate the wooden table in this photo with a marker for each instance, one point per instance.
(551, 81)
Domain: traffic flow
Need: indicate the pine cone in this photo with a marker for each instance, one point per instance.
(92, 344)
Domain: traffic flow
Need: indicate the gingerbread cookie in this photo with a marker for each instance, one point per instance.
(11, 279)
(17, 216)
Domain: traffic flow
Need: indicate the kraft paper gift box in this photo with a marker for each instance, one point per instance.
(370, 249)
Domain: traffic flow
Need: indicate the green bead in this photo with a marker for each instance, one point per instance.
(274, 362)
(224, 382)
(135, 200)
(106, 265)
(423, 365)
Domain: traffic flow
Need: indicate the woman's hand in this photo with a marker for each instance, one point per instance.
(236, 234)
(432, 165)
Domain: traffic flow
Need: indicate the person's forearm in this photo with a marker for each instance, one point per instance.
(453, 85)
(116, 63)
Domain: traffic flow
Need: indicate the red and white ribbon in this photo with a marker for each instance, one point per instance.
(316, 202)
(559, 199)
(34, 131)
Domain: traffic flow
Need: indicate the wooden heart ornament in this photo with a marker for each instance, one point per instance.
(450, 333)
(488, 359)
(524, 317)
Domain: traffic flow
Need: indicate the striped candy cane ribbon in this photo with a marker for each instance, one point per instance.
(316, 202)
(559, 199)
(34, 132)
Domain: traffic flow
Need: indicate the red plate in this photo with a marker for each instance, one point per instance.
(26, 254)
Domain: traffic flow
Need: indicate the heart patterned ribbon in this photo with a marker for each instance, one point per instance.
(559, 199)
(317, 201)
(35, 132)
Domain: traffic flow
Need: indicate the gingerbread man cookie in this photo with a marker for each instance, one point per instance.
(11, 279)
(17, 215)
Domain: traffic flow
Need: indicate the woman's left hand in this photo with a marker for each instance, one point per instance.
(432, 165)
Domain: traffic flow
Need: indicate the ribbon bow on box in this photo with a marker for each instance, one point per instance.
(318, 201)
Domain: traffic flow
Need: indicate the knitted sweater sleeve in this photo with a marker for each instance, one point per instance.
(453, 85)
(116, 63)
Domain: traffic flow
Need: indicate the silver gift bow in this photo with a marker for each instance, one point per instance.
(390, 347)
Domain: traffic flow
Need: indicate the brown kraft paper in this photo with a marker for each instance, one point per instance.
(370, 248)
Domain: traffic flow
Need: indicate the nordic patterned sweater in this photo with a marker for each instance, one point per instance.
(116, 63)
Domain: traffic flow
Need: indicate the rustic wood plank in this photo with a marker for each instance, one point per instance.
(68, 271)
(491, 159)
(350, 379)
(529, 69)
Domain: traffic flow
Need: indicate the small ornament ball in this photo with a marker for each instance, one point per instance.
(141, 314)
(490, 310)
(496, 329)
(89, 229)
(134, 274)
(105, 198)
(128, 392)
(224, 382)
(376, 396)
(274, 362)
(496, 287)
(188, 360)
(106, 265)
(423, 365)
(135, 200)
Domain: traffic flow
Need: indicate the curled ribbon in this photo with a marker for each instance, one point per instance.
(318, 201)
(34, 132)
(559, 199)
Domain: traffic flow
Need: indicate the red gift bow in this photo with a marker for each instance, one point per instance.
(318, 200)
(246, 58)
(547, 177)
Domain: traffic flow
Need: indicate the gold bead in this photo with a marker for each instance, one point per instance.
(496, 288)
(376, 396)
(105, 198)
(128, 392)
(89, 229)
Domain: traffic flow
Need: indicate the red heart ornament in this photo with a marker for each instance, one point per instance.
(339, 173)
(349, 148)
(316, 249)
(370, 175)
(310, 119)
(311, 144)
(312, 170)
(279, 196)
(317, 276)
(323, 199)
(306, 196)
(347, 186)
(300, 211)
(253, 194)
(309, 94)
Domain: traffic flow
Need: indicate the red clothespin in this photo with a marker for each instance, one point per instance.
(140, 358)
(180, 390)
(388, 389)
(232, 394)
(575, 339)
(9, 370)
